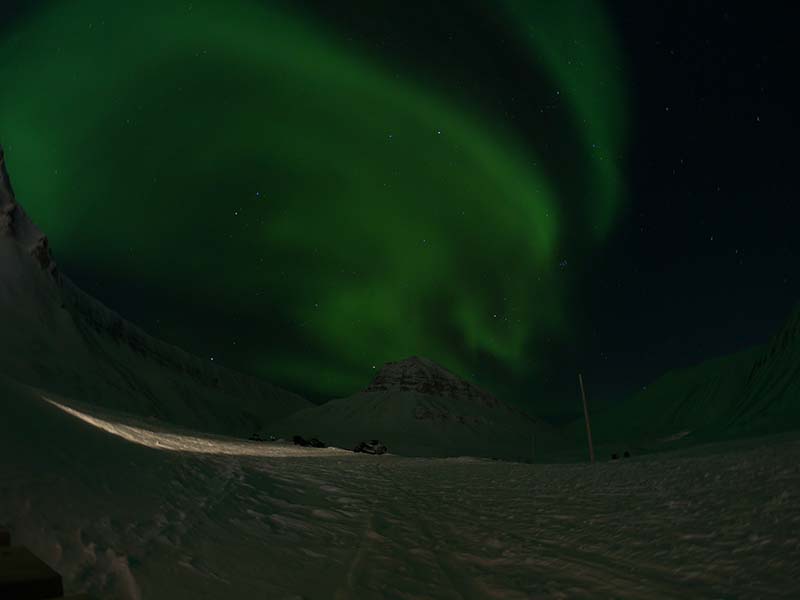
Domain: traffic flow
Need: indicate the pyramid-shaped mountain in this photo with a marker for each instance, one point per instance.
(416, 374)
(419, 408)
(62, 342)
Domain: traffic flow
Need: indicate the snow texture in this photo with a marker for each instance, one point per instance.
(120, 517)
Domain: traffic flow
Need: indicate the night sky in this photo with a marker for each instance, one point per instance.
(520, 191)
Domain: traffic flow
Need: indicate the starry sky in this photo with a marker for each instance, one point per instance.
(518, 190)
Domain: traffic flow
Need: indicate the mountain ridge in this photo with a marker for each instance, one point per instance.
(16, 224)
(419, 374)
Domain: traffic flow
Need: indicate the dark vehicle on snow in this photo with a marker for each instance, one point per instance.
(371, 447)
(299, 440)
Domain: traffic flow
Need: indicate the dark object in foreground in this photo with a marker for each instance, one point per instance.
(370, 447)
(626, 455)
(5, 538)
(299, 440)
(614, 456)
(22, 575)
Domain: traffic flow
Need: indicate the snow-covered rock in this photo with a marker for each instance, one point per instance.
(15, 224)
(422, 375)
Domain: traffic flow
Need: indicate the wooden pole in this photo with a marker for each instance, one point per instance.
(586, 416)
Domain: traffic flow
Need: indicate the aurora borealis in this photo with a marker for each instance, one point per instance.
(260, 183)
(245, 162)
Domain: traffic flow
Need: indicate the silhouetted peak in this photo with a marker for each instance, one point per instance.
(422, 375)
(16, 224)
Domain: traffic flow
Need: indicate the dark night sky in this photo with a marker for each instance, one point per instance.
(706, 261)
(697, 260)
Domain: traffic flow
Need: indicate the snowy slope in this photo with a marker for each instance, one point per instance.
(770, 397)
(55, 337)
(418, 408)
(125, 521)
(684, 400)
(753, 392)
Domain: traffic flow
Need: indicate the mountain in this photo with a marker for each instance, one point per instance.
(57, 338)
(419, 408)
(753, 392)
(683, 400)
(416, 374)
(769, 400)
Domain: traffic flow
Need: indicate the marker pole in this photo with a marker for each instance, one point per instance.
(586, 416)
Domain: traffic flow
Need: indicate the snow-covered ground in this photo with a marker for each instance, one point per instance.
(127, 512)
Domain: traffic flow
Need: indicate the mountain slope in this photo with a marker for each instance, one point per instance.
(56, 337)
(770, 397)
(683, 400)
(418, 408)
(753, 392)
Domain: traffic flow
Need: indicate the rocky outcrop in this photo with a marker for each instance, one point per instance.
(421, 375)
(15, 223)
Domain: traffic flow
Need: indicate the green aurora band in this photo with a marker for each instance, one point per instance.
(320, 213)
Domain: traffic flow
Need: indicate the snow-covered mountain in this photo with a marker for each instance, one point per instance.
(419, 408)
(769, 399)
(57, 338)
(753, 392)
(417, 374)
